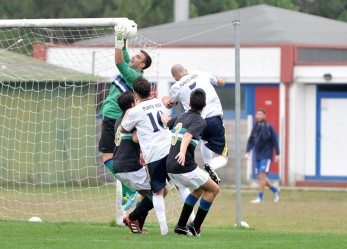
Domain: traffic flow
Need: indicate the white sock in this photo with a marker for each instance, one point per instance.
(218, 162)
(183, 194)
(206, 153)
(159, 207)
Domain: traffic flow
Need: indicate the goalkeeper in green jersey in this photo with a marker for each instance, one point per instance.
(129, 70)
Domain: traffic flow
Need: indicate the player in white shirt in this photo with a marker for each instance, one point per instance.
(214, 135)
(155, 142)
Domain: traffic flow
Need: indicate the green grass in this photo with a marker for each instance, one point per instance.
(14, 234)
(302, 219)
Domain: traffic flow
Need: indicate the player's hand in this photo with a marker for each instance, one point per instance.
(220, 81)
(120, 31)
(171, 104)
(247, 156)
(165, 118)
(276, 159)
(181, 158)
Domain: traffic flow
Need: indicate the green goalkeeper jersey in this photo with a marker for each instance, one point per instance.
(122, 83)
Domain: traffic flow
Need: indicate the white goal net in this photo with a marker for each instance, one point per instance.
(53, 81)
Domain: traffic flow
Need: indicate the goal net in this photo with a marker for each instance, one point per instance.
(54, 77)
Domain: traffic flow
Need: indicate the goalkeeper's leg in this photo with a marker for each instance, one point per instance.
(126, 192)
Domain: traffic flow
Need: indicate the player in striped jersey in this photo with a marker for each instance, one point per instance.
(129, 70)
(182, 168)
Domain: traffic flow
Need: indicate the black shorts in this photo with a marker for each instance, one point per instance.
(106, 143)
(214, 134)
(157, 174)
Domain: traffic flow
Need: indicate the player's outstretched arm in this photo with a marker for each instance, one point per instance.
(181, 156)
(120, 41)
(167, 102)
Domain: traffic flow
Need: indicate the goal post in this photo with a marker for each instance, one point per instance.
(54, 78)
(72, 22)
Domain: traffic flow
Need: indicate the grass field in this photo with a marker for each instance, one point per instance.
(302, 219)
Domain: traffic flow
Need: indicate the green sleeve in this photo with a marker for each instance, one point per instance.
(128, 74)
(126, 55)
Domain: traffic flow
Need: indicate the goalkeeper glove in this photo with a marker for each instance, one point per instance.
(120, 31)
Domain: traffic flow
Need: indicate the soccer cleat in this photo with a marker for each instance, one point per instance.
(277, 196)
(212, 173)
(257, 200)
(182, 230)
(132, 224)
(131, 200)
(195, 231)
(125, 199)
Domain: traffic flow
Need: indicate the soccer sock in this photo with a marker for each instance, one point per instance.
(109, 164)
(159, 207)
(260, 195)
(206, 153)
(184, 193)
(187, 210)
(141, 210)
(218, 162)
(274, 189)
(202, 212)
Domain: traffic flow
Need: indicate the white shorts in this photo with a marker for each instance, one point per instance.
(192, 180)
(136, 180)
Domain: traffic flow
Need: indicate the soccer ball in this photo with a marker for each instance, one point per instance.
(243, 224)
(131, 29)
(35, 219)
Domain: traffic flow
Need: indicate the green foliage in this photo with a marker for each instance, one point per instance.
(153, 12)
(286, 4)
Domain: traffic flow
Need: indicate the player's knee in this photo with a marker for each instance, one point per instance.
(215, 190)
(165, 191)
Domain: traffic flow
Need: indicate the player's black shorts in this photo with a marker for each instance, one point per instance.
(157, 174)
(214, 134)
(106, 143)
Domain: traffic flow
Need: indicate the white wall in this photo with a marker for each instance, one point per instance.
(258, 65)
(310, 131)
(314, 74)
(282, 130)
(296, 132)
(302, 131)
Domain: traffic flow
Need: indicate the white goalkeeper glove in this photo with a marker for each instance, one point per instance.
(120, 31)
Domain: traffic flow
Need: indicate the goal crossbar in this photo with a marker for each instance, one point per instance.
(71, 22)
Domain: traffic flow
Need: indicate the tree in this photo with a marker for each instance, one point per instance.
(201, 8)
(286, 4)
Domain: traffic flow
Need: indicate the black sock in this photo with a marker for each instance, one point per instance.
(187, 209)
(202, 212)
(142, 220)
(141, 210)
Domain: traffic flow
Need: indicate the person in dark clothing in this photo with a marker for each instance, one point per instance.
(263, 139)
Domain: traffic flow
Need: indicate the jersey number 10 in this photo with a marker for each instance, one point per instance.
(156, 122)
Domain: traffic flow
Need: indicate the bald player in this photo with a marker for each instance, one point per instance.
(213, 137)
